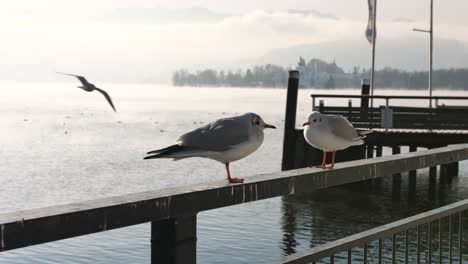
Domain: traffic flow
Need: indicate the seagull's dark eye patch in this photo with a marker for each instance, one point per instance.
(315, 120)
(257, 122)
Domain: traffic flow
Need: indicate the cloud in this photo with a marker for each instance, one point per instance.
(309, 12)
(162, 15)
(124, 15)
(129, 44)
(403, 20)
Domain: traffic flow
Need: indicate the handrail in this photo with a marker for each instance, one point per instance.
(360, 239)
(390, 96)
(31, 227)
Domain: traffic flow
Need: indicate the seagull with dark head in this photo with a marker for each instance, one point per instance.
(89, 87)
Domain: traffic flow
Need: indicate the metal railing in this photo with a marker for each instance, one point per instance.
(452, 116)
(408, 234)
(387, 98)
(172, 212)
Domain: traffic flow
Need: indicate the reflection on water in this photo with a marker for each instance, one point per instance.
(311, 219)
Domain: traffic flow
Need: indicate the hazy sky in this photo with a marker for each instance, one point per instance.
(143, 40)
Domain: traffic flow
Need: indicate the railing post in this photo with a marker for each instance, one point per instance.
(321, 106)
(289, 142)
(174, 240)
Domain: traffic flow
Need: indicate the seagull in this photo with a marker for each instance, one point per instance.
(224, 140)
(89, 87)
(330, 133)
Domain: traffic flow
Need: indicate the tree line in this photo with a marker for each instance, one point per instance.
(317, 73)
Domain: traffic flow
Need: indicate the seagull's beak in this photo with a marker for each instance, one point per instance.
(306, 124)
(269, 126)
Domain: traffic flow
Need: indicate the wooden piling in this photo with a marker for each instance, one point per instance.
(378, 153)
(452, 170)
(443, 174)
(432, 180)
(370, 155)
(412, 176)
(396, 178)
(370, 152)
(433, 172)
(289, 142)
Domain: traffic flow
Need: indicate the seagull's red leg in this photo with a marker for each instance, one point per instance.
(232, 180)
(333, 161)
(324, 161)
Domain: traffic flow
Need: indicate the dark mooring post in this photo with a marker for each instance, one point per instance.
(174, 241)
(396, 178)
(365, 101)
(289, 142)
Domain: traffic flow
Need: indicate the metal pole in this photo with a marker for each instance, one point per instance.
(373, 54)
(431, 41)
(431, 32)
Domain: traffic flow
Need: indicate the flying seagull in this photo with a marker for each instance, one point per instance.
(330, 133)
(89, 87)
(224, 140)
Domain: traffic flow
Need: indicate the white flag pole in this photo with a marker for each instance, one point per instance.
(431, 47)
(373, 58)
(373, 46)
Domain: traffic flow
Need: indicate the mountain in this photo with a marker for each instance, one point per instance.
(410, 53)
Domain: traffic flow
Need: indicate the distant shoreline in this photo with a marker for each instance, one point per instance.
(319, 74)
(324, 89)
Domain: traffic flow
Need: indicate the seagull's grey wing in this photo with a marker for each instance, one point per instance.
(220, 135)
(341, 127)
(81, 78)
(107, 97)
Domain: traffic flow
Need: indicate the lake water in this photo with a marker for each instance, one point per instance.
(60, 145)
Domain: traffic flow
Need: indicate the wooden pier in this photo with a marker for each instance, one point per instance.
(394, 126)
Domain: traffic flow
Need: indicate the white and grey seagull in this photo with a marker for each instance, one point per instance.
(89, 87)
(224, 140)
(331, 133)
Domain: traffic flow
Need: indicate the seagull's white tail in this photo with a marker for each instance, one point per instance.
(362, 135)
(363, 132)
